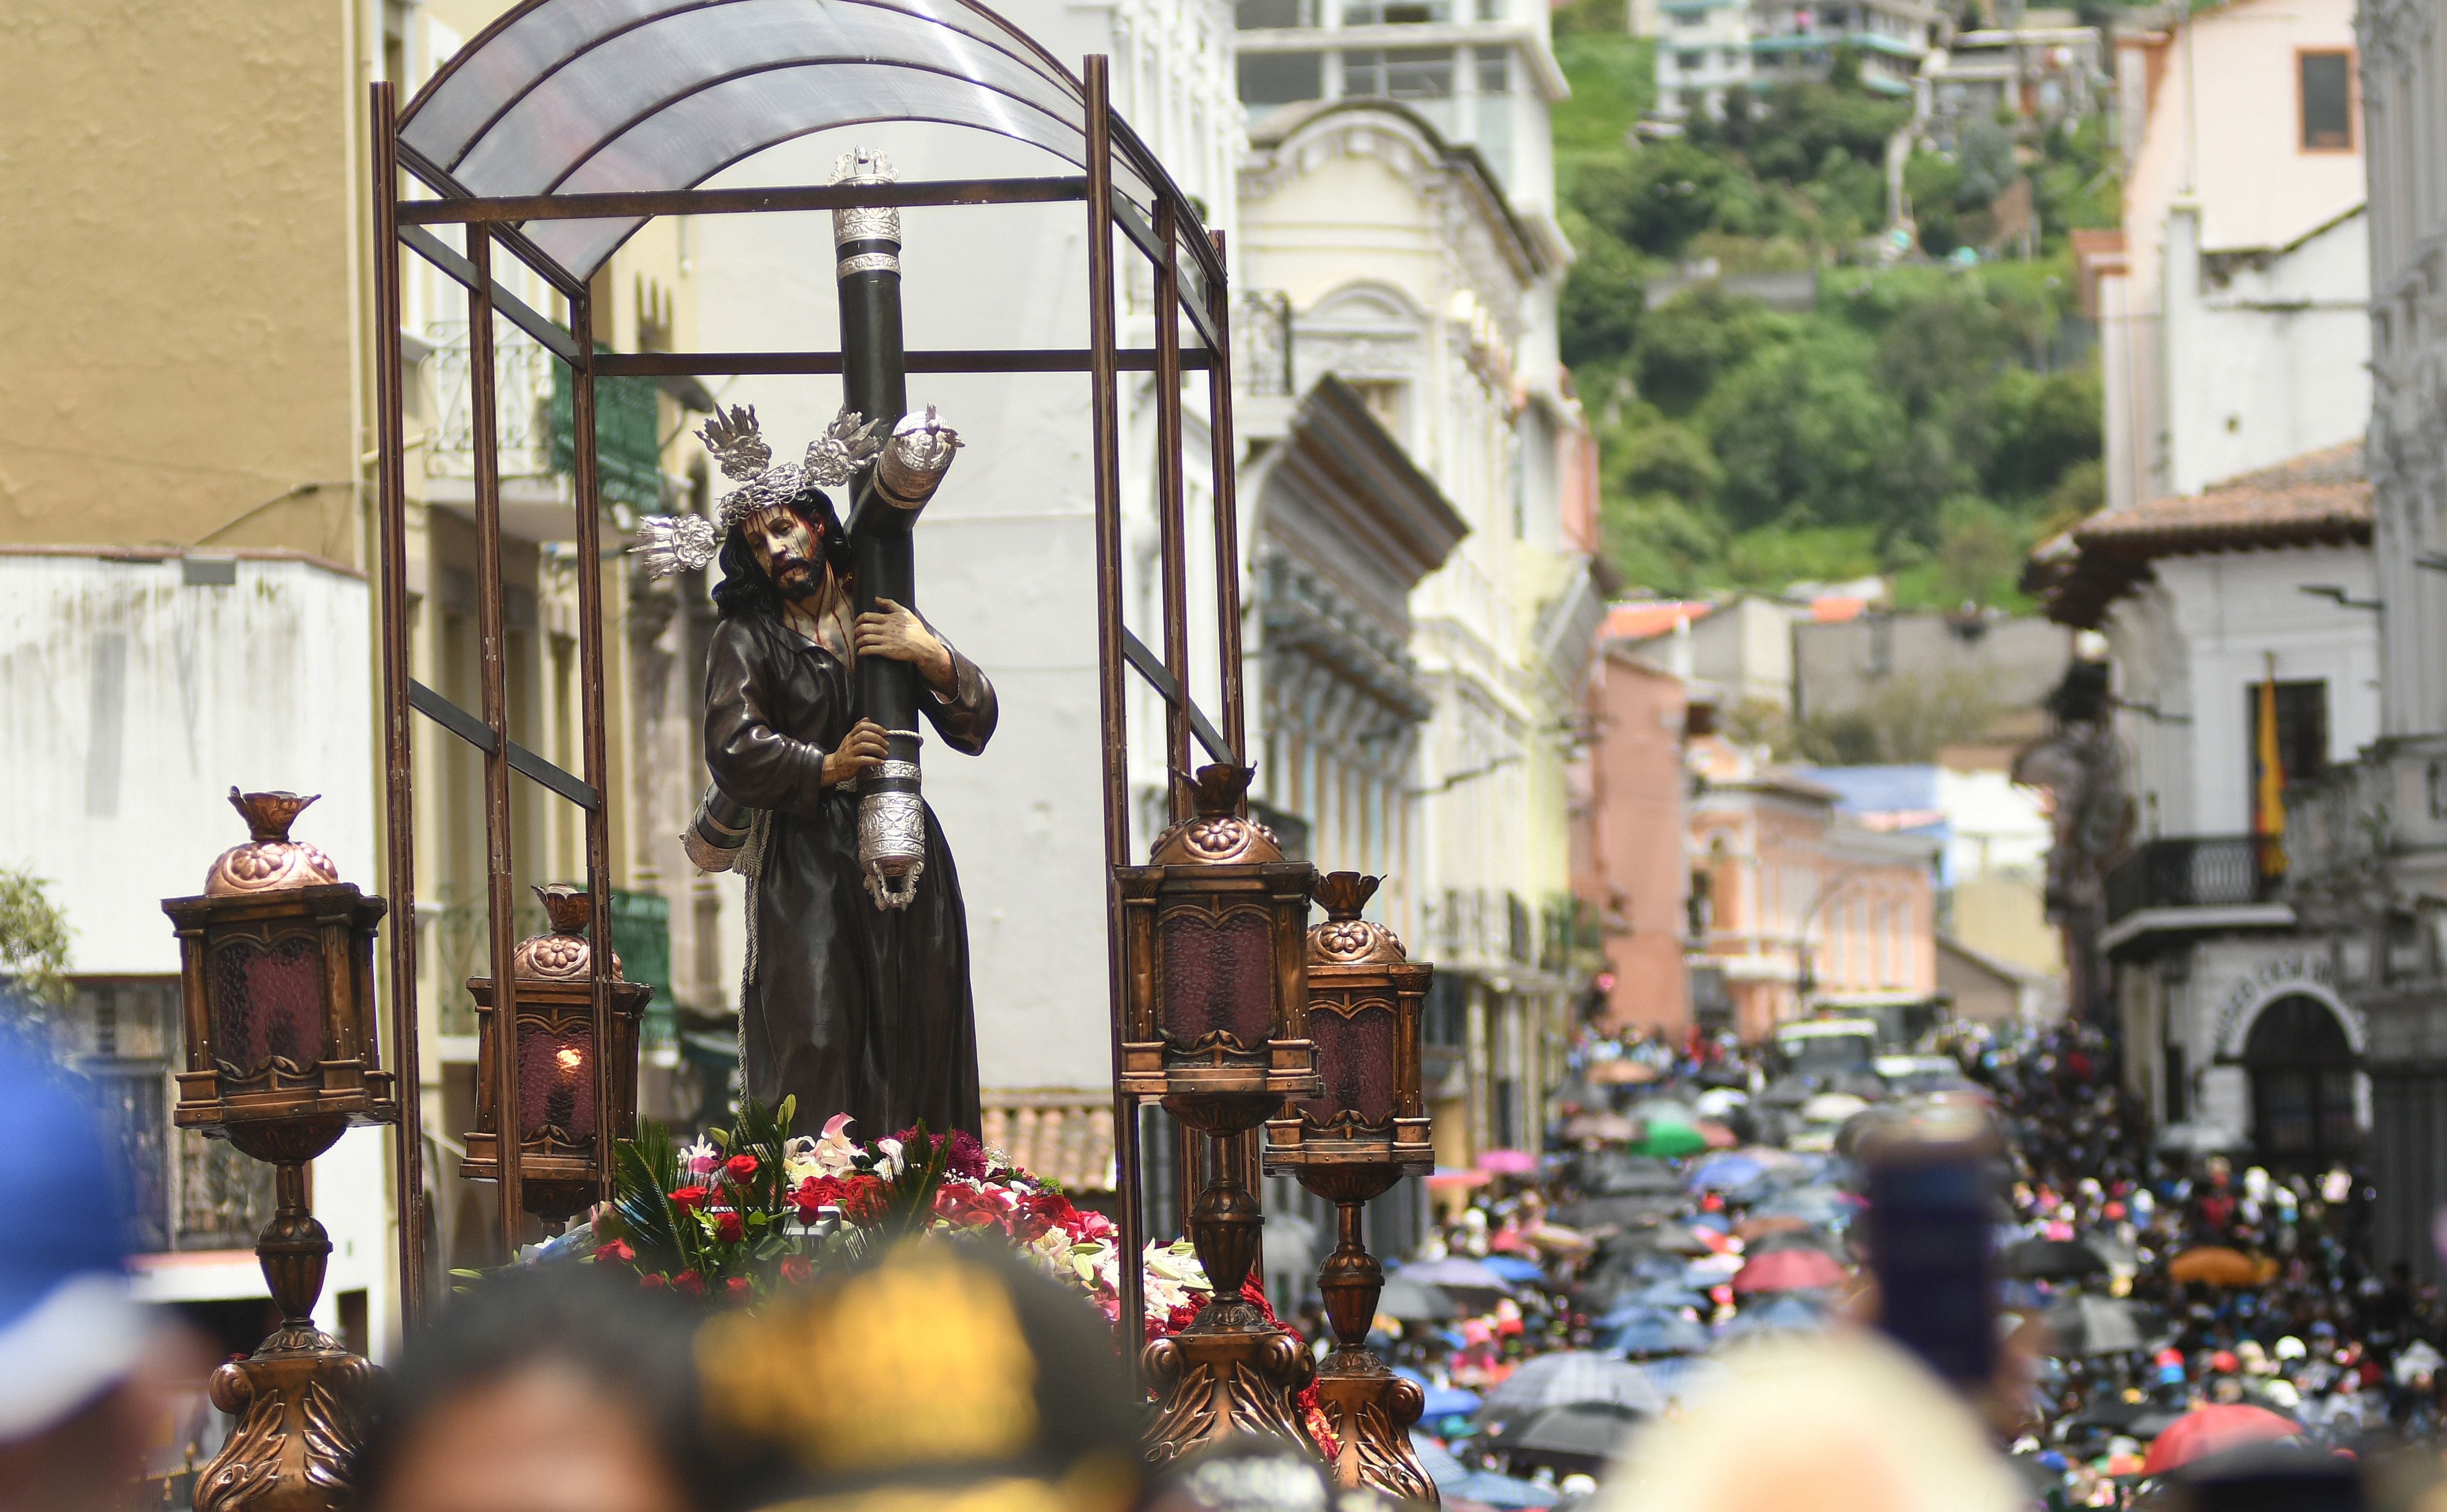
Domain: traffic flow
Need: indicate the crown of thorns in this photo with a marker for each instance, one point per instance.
(670, 544)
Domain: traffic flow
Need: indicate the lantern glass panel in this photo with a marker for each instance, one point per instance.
(267, 1002)
(555, 1080)
(1355, 1059)
(1219, 974)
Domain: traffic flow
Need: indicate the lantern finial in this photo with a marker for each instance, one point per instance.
(267, 816)
(1343, 894)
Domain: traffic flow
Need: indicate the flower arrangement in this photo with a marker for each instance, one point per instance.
(745, 1211)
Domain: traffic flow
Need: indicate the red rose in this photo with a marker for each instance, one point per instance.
(1040, 1213)
(738, 1288)
(614, 1252)
(815, 1194)
(689, 1197)
(740, 1167)
(966, 1207)
(728, 1227)
(652, 1281)
(796, 1271)
(864, 1198)
(689, 1281)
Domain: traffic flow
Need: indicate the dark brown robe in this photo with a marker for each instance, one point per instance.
(850, 1008)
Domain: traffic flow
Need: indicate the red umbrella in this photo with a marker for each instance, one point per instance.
(2212, 1429)
(1794, 1270)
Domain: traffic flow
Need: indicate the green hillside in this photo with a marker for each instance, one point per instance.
(1927, 419)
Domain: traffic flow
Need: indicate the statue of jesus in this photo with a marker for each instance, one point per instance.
(849, 1006)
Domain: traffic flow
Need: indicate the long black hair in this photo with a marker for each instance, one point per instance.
(746, 589)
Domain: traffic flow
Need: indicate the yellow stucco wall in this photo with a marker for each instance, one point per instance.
(176, 338)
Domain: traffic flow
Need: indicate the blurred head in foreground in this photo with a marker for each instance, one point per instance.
(1257, 1475)
(1844, 1422)
(79, 1378)
(936, 1377)
(552, 1390)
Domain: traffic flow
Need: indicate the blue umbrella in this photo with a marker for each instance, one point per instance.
(1649, 1300)
(1488, 1488)
(1513, 1268)
(1726, 1172)
(1438, 1462)
(1790, 1312)
(1449, 1401)
(1658, 1332)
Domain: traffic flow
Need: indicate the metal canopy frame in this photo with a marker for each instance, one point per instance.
(1124, 191)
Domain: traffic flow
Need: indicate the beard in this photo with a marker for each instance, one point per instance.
(799, 581)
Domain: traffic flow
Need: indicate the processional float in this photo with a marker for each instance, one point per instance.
(545, 141)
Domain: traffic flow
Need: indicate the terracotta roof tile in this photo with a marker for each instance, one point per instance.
(2321, 498)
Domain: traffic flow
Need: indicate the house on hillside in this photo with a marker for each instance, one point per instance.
(2042, 71)
(1738, 649)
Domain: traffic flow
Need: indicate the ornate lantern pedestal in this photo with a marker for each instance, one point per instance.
(559, 1101)
(277, 976)
(1216, 992)
(1363, 1132)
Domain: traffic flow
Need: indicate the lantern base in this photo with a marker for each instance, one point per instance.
(1370, 1410)
(299, 1404)
(299, 1400)
(1228, 1374)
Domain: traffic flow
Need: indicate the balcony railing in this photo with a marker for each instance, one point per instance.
(2218, 871)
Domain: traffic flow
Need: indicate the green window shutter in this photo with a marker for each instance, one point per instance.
(641, 937)
(627, 442)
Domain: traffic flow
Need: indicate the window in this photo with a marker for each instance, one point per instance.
(1281, 78)
(2326, 86)
(1689, 18)
(2302, 732)
(1269, 15)
(1384, 401)
(1395, 13)
(1494, 70)
(1690, 62)
(1400, 73)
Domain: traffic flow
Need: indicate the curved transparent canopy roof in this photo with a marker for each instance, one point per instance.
(610, 96)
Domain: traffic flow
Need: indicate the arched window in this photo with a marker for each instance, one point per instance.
(2302, 1069)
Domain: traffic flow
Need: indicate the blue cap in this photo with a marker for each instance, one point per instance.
(68, 1327)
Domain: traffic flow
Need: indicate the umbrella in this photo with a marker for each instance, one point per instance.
(1802, 1270)
(1617, 1073)
(1516, 1270)
(2210, 1429)
(1411, 1300)
(1572, 1375)
(1658, 1332)
(1804, 1239)
(1605, 1212)
(1712, 1271)
(1506, 1162)
(1832, 1107)
(1443, 1179)
(1673, 1238)
(1661, 1298)
(1717, 1135)
(1791, 1091)
(1486, 1488)
(1723, 1173)
(1437, 1461)
(1456, 1273)
(2050, 1261)
(1449, 1401)
(1673, 1140)
(1750, 1230)
(1718, 1100)
(2113, 1413)
(1606, 1128)
(1578, 1436)
(1793, 1312)
(1684, 1376)
(2220, 1266)
(2094, 1325)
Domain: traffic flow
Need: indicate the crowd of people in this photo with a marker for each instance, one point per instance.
(1593, 1324)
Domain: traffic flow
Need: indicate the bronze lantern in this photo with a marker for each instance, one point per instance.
(1365, 1130)
(276, 977)
(559, 1090)
(1215, 989)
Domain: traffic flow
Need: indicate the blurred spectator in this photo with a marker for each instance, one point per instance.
(82, 1366)
(543, 1391)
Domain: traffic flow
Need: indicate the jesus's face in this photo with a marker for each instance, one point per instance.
(787, 547)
